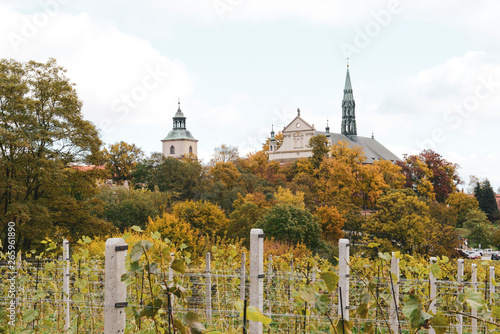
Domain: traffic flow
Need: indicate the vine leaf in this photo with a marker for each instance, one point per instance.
(178, 325)
(178, 265)
(322, 304)
(238, 305)
(364, 306)
(413, 310)
(152, 308)
(136, 228)
(139, 248)
(440, 323)
(254, 314)
(307, 294)
(496, 311)
(384, 256)
(436, 270)
(331, 279)
(474, 299)
(344, 327)
(30, 315)
(193, 321)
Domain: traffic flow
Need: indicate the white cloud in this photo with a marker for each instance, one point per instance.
(123, 81)
(452, 109)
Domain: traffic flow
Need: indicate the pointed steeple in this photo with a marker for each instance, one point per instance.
(179, 118)
(327, 129)
(348, 108)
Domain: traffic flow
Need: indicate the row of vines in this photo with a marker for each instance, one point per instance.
(171, 292)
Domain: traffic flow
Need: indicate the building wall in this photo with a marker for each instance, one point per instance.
(295, 141)
(181, 148)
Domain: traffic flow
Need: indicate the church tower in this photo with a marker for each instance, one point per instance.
(272, 141)
(348, 109)
(179, 142)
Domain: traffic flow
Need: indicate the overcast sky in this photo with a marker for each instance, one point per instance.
(425, 74)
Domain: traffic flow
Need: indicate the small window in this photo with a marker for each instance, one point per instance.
(172, 149)
(190, 149)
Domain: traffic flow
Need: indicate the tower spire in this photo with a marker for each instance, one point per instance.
(179, 118)
(348, 108)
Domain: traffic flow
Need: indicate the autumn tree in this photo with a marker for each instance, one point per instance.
(285, 196)
(258, 164)
(121, 159)
(430, 175)
(460, 204)
(487, 202)
(224, 186)
(177, 231)
(43, 133)
(203, 216)
(418, 176)
(224, 153)
(391, 173)
(320, 149)
(332, 222)
(404, 222)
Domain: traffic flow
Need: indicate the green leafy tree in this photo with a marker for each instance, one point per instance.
(480, 228)
(128, 207)
(181, 178)
(43, 133)
(292, 225)
(247, 211)
(146, 171)
(121, 159)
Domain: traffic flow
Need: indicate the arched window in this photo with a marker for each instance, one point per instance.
(172, 149)
(190, 149)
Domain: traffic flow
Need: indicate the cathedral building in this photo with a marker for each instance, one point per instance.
(179, 142)
(296, 135)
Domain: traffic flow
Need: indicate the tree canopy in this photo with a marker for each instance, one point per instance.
(430, 175)
(43, 134)
(486, 198)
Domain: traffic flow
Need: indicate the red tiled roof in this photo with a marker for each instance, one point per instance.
(87, 168)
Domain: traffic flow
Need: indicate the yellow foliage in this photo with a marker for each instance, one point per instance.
(226, 173)
(284, 196)
(391, 173)
(332, 222)
(176, 230)
(276, 248)
(206, 217)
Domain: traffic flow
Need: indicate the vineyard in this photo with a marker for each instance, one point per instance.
(170, 292)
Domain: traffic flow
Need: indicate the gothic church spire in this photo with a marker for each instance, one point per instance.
(348, 109)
